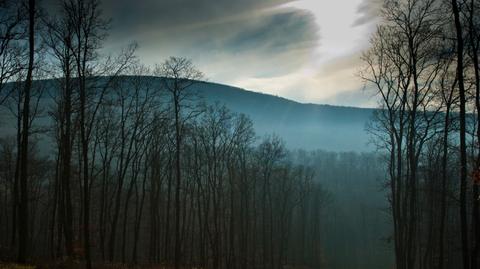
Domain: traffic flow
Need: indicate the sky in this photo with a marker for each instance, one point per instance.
(305, 50)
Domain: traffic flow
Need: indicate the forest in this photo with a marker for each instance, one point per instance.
(106, 162)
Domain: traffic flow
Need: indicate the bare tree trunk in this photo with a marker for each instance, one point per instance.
(178, 180)
(84, 141)
(86, 182)
(166, 246)
(23, 206)
(475, 255)
(56, 202)
(66, 163)
(443, 205)
(138, 214)
(463, 148)
(132, 184)
(15, 195)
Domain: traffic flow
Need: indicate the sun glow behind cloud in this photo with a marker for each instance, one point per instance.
(331, 72)
(338, 31)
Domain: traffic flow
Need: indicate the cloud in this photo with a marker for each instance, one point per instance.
(274, 33)
(368, 11)
(269, 43)
(340, 87)
(163, 15)
(306, 50)
(330, 73)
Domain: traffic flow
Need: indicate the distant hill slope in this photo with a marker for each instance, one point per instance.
(307, 126)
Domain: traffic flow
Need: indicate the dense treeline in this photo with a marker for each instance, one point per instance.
(423, 62)
(237, 200)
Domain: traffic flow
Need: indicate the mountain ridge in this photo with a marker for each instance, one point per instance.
(300, 125)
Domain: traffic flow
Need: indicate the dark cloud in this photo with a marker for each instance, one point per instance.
(258, 38)
(131, 15)
(275, 34)
(271, 38)
(368, 11)
(265, 45)
(215, 29)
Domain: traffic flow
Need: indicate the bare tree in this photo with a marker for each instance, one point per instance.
(179, 75)
(473, 49)
(23, 230)
(462, 134)
(59, 38)
(88, 31)
(12, 18)
(403, 65)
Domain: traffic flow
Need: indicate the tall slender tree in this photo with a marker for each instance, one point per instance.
(23, 205)
(462, 134)
(179, 76)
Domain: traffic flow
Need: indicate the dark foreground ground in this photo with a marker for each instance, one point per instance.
(79, 265)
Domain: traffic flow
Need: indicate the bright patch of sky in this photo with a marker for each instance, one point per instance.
(330, 75)
(338, 29)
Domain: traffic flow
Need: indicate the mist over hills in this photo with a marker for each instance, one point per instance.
(307, 126)
(301, 126)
